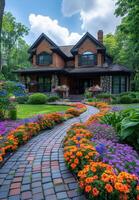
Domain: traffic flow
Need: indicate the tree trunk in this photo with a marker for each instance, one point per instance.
(2, 6)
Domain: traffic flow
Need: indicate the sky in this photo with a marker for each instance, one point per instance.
(64, 21)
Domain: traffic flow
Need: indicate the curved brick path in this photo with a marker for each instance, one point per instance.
(37, 170)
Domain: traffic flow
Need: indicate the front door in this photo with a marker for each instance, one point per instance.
(79, 85)
(44, 84)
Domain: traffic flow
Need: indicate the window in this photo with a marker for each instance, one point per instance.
(87, 58)
(44, 59)
(119, 84)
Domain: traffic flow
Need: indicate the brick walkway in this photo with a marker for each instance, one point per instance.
(37, 170)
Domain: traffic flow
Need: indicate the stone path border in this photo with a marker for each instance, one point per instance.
(37, 170)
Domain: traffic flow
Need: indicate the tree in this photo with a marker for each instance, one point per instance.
(129, 28)
(13, 45)
(2, 6)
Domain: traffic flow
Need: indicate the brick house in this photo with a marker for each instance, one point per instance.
(78, 66)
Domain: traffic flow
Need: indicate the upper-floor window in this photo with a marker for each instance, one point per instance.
(87, 58)
(44, 59)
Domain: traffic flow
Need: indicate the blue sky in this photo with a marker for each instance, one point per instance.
(64, 21)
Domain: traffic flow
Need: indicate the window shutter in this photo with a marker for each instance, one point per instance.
(95, 59)
(37, 59)
(80, 60)
(51, 59)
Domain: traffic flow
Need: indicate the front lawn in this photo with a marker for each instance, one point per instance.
(26, 110)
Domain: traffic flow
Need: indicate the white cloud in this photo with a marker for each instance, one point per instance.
(59, 34)
(94, 14)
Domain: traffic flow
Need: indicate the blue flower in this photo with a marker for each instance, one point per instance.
(100, 148)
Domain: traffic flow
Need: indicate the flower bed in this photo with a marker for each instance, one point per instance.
(25, 130)
(101, 165)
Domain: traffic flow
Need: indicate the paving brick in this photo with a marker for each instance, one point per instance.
(38, 169)
(26, 195)
(15, 191)
(61, 195)
(15, 185)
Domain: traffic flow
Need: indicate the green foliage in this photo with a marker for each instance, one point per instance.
(53, 98)
(123, 46)
(13, 113)
(126, 124)
(13, 47)
(37, 98)
(92, 100)
(130, 128)
(6, 102)
(113, 119)
(125, 99)
(88, 94)
(22, 99)
(104, 95)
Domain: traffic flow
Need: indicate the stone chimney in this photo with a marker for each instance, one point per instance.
(100, 36)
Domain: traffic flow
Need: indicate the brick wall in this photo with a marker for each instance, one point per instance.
(57, 61)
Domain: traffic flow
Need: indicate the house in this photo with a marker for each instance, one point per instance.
(78, 66)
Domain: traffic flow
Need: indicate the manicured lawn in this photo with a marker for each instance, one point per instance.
(25, 111)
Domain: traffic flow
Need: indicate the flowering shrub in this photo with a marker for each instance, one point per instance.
(99, 181)
(80, 108)
(103, 131)
(86, 157)
(120, 156)
(73, 111)
(103, 107)
(28, 128)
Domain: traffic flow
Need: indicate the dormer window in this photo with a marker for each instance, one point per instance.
(87, 58)
(44, 59)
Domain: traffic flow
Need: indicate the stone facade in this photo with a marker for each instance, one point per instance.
(106, 83)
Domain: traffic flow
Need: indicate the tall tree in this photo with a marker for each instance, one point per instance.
(13, 45)
(128, 10)
(2, 6)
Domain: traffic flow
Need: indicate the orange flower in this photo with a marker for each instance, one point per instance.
(73, 166)
(93, 169)
(79, 154)
(95, 192)
(81, 184)
(137, 188)
(76, 161)
(87, 188)
(109, 188)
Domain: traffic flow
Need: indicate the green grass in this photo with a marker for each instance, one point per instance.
(25, 110)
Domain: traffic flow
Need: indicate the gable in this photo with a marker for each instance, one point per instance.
(41, 39)
(44, 46)
(87, 45)
(98, 44)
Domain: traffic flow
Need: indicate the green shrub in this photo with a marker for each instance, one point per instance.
(125, 99)
(37, 98)
(135, 100)
(88, 94)
(130, 128)
(53, 98)
(92, 100)
(22, 99)
(13, 113)
(104, 95)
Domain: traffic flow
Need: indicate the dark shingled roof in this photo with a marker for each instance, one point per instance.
(39, 69)
(115, 68)
(67, 50)
(97, 69)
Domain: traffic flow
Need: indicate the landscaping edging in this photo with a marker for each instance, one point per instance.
(97, 179)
